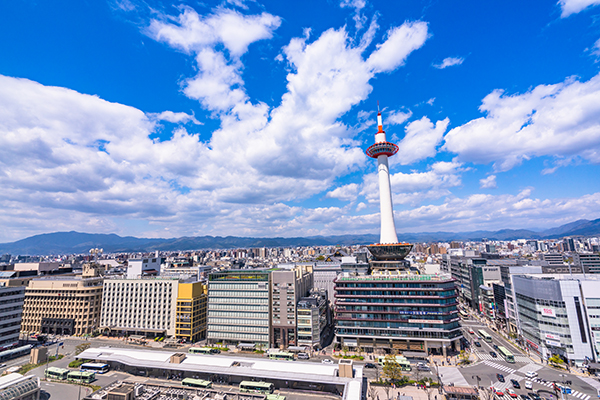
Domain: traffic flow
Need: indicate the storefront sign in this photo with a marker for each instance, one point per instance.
(551, 336)
(535, 346)
(425, 321)
(548, 312)
(553, 343)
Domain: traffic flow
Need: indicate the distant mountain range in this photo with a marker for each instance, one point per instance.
(80, 243)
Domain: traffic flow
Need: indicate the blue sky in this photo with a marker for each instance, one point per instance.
(248, 118)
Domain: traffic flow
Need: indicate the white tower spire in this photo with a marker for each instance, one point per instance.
(381, 150)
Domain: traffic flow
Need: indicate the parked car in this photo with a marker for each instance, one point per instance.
(511, 393)
(370, 365)
(500, 377)
(303, 356)
(477, 344)
(326, 361)
(515, 383)
(493, 354)
(531, 374)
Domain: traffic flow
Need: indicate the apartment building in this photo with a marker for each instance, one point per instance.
(190, 317)
(145, 306)
(11, 310)
(588, 262)
(288, 286)
(66, 305)
(239, 306)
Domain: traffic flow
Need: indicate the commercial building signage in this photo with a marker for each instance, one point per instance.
(553, 343)
(425, 321)
(548, 312)
(535, 346)
(420, 312)
(551, 336)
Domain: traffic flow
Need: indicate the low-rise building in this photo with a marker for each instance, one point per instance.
(18, 387)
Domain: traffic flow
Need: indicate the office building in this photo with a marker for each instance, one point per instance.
(11, 311)
(288, 286)
(144, 306)
(239, 307)
(588, 262)
(64, 305)
(190, 318)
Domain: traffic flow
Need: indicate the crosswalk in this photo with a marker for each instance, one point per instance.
(574, 393)
(518, 359)
(501, 367)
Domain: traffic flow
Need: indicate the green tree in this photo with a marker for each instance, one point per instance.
(555, 359)
(320, 258)
(80, 348)
(392, 370)
(464, 357)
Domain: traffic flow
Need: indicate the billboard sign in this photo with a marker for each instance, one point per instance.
(548, 312)
(553, 343)
(551, 336)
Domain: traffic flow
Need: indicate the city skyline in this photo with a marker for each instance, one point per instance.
(252, 118)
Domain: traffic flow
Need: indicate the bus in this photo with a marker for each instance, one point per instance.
(203, 350)
(82, 376)
(485, 336)
(56, 373)
(197, 383)
(98, 368)
(282, 355)
(401, 360)
(256, 387)
(506, 354)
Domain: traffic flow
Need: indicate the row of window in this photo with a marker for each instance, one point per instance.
(237, 328)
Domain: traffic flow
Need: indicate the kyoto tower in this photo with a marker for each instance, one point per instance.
(388, 247)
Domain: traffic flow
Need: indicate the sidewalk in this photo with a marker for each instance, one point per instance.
(381, 393)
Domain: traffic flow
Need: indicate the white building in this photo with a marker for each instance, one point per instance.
(558, 314)
(140, 267)
(11, 312)
(139, 306)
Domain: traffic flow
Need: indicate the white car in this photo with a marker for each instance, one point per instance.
(529, 385)
(531, 374)
(326, 361)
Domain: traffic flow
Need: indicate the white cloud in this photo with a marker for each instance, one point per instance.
(574, 6)
(344, 193)
(561, 120)
(96, 167)
(401, 41)
(397, 117)
(596, 48)
(360, 206)
(358, 5)
(421, 139)
(449, 62)
(176, 118)
(488, 183)
(415, 187)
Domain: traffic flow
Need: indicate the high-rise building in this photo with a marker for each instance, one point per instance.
(239, 306)
(392, 308)
(11, 311)
(313, 319)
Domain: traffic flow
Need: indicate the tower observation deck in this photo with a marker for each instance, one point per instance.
(388, 249)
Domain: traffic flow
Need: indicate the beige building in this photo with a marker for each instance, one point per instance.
(144, 306)
(288, 286)
(66, 305)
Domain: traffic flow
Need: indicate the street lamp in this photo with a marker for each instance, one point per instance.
(478, 379)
